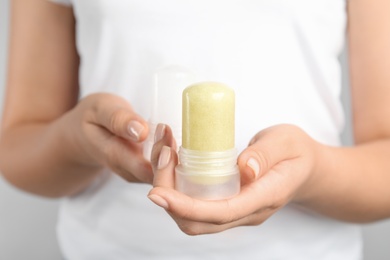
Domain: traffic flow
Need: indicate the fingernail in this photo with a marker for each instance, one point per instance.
(254, 165)
(160, 132)
(135, 130)
(158, 201)
(164, 158)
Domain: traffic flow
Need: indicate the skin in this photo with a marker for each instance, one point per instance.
(346, 183)
(64, 144)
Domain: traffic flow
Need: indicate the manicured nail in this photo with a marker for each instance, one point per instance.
(164, 158)
(160, 132)
(158, 201)
(135, 130)
(254, 165)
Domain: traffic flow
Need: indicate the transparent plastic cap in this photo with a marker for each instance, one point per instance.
(169, 83)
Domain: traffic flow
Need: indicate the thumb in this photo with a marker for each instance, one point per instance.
(268, 148)
(117, 116)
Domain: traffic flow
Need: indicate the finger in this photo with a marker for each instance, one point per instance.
(164, 158)
(163, 137)
(267, 148)
(164, 173)
(126, 160)
(120, 155)
(193, 228)
(268, 192)
(265, 193)
(117, 116)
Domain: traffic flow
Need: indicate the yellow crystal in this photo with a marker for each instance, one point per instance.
(208, 117)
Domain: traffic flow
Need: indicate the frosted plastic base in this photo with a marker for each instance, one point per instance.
(208, 187)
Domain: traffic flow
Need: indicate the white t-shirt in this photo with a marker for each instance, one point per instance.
(280, 57)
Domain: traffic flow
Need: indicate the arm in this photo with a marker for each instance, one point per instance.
(283, 164)
(51, 144)
(363, 172)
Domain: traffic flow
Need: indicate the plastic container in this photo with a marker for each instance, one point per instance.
(208, 175)
(207, 166)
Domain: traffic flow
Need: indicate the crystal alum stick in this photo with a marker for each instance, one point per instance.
(207, 158)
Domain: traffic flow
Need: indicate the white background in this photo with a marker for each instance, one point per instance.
(27, 223)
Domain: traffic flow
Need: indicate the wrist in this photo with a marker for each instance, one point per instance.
(319, 159)
(73, 143)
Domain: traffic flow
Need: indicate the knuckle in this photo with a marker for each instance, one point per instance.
(291, 135)
(263, 157)
(117, 120)
(97, 102)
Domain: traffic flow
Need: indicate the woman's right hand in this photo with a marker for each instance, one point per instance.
(108, 133)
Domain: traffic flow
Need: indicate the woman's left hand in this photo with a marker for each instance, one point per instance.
(277, 167)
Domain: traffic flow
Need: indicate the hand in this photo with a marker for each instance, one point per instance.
(277, 167)
(108, 133)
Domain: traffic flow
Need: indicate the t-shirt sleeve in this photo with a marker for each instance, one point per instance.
(63, 2)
